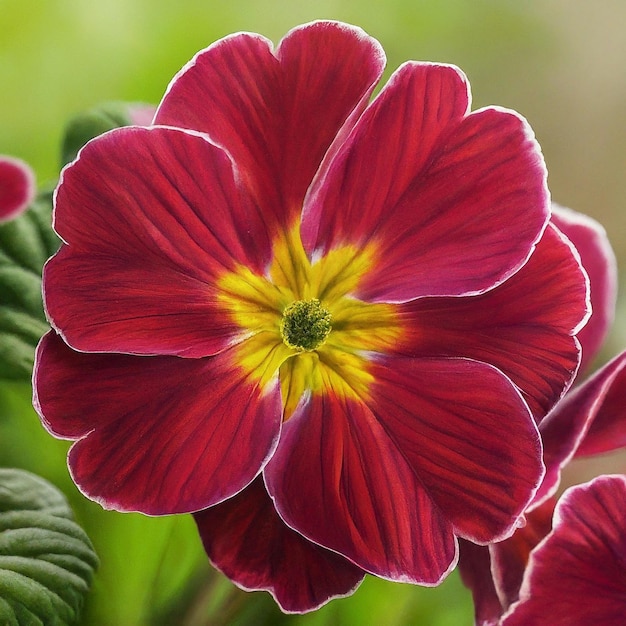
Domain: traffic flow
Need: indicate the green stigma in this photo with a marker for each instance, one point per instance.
(305, 324)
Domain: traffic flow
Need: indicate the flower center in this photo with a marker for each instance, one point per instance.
(305, 324)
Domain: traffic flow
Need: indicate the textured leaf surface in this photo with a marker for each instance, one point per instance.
(25, 245)
(46, 560)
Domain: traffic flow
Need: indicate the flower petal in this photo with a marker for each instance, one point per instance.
(589, 420)
(475, 571)
(157, 435)
(339, 480)
(577, 575)
(428, 450)
(277, 112)
(598, 259)
(141, 114)
(524, 327)
(509, 558)
(150, 217)
(607, 423)
(494, 573)
(17, 187)
(451, 203)
(245, 538)
(468, 435)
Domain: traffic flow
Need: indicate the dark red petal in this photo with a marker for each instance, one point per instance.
(475, 571)
(246, 539)
(607, 429)
(577, 575)
(598, 259)
(494, 573)
(451, 203)
(151, 217)
(468, 435)
(276, 113)
(589, 420)
(17, 187)
(339, 480)
(509, 558)
(108, 303)
(157, 435)
(524, 327)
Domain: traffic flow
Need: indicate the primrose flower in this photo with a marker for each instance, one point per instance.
(589, 420)
(326, 325)
(17, 187)
(577, 575)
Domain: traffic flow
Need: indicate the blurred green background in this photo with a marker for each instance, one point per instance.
(560, 63)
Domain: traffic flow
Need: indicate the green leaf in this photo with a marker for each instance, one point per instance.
(46, 560)
(89, 124)
(25, 245)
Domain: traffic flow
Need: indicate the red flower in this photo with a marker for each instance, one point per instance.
(577, 575)
(320, 321)
(590, 419)
(17, 187)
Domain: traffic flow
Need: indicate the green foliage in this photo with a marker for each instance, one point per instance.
(46, 560)
(25, 245)
(148, 565)
(89, 124)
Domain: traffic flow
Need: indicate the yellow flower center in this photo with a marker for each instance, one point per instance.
(301, 321)
(305, 324)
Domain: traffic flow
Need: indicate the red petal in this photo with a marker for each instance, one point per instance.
(468, 435)
(451, 203)
(276, 113)
(475, 571)
(494, 573)
(589, 420)
(17, 187)
(524, 327)
(607, 429)
(340, 480)
(509, 558)
(151, 217)
(246, 539)
(577, 576)
(158, 435)
(598, 259)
